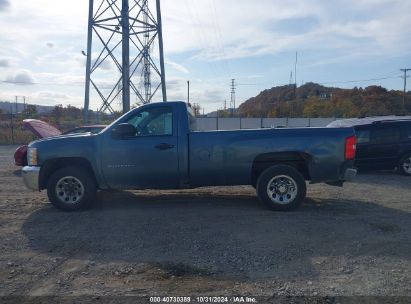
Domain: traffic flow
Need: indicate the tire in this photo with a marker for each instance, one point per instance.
(404, 165)
(289, 191)
(78, 189)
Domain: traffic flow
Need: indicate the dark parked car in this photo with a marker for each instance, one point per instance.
(382, 143)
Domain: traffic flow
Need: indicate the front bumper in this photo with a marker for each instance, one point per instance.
(30, 176)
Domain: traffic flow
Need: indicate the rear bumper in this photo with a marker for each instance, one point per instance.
(350, 174)
(30, 176)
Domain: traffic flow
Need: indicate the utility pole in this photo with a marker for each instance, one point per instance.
(232, 102)
(16, 105)
(188, 91)
(295, 68)
(295, 75)
(405, 85)
(11, 123)
(125, 33)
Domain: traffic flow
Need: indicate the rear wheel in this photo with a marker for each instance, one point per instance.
(281, 188)
(71, 189)
(405, 165)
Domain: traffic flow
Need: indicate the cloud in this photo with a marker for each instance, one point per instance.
(23, 77)
(178, 67)
(255, 76)
(51, 95)
(221, 30)
(212, 41)
(4, 5)
(47, 97)
(5, 63)
(106, 65)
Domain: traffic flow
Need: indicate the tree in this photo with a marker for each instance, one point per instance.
(314, 107)
(72, 112)
(344, 108)
(30, 110)
(197, 109)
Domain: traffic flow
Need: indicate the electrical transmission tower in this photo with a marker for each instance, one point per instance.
(232, 101)
(291, 82)
(122, 34)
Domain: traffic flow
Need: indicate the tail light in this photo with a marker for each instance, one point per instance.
(350, 147)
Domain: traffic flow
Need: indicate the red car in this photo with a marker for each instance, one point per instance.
(42, 130)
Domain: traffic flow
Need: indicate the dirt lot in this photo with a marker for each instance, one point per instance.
(214, 241)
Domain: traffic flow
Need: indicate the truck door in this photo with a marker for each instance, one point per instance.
(384, 146)
(149, 159)
(382, 150)
(362, 158)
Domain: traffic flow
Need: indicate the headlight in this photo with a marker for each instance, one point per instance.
(32, 157)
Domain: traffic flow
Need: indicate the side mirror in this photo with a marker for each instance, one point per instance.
(123, 130)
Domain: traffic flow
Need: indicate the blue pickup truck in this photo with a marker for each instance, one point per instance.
(155, 147)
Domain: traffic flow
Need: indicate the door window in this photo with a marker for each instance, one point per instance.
(363, 136)
(385, 135)
(408, 134)
(153, 122)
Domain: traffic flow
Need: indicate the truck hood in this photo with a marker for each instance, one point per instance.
(40, 128)
(62, 138)
(67, 146)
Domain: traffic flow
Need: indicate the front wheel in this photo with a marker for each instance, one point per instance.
(71, 189)
(281, 188)
(405, 165)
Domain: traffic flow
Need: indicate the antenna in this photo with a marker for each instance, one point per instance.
(295, 68)
(295, 75)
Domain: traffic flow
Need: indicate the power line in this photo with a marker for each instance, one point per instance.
(362, 80)
(41, 83)
(220, 39)
(239, 84)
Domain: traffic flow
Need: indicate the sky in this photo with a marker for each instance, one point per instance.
(344, 43)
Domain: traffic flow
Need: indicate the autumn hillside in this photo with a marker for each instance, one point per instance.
(314, 100)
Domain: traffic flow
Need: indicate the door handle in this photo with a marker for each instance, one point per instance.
(164, 146)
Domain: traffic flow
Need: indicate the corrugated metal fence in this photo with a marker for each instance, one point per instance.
(214, 123)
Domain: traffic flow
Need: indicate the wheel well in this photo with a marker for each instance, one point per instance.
(49, 167)
(295, 159)
(404, 154)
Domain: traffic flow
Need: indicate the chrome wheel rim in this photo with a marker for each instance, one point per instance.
(282, 189)
(406, 165)
(69, 190)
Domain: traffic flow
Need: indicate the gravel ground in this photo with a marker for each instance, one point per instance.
(351, 241)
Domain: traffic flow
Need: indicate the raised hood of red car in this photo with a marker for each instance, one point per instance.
(40, 128)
